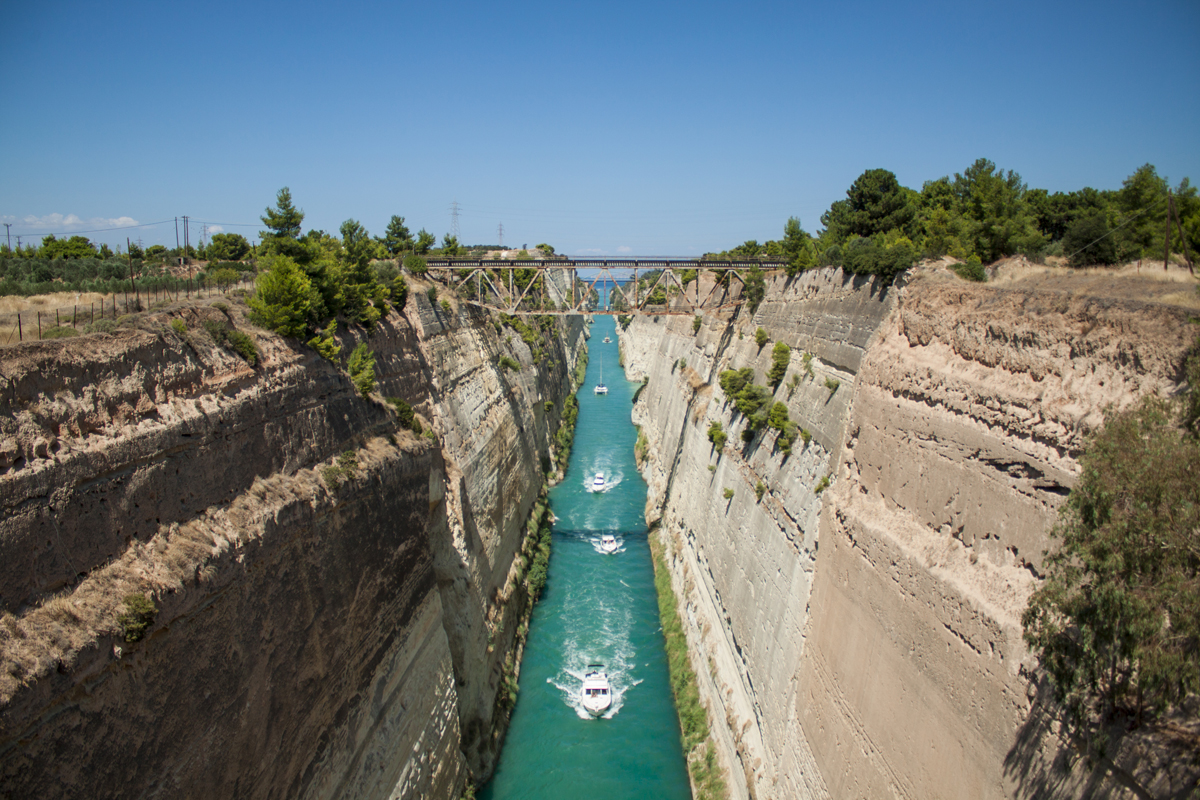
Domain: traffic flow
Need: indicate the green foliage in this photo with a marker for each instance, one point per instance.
(761, 337)
(232, 339)
(284, 297)
(792, 384)
(228, 247)
(137, 617)
(875, 203)
(101, 326)
(445, 306)
(508, 362)
(179, 326)
(781, 357)
(878, 255)
(753, 401)
(361, 367)
(326, 343)
(408, 419)
(397, 238)
(760, 489)
(822, 485)
(732, 380)
(59, 332)
(425, 240)
(727, 494)
(832, 385)
(432, 293)
(806, 365)
(717, 435)
(1116, 622)
(696, 322)
(1087, 241)
(756, 288)
(972, 270)
(243, 345)
(778, 416)
(415, 264)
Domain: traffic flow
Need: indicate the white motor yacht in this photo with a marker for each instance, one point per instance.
(596, 695)
(598, 484)
(608, 543)
(607, 340)
(600, 387)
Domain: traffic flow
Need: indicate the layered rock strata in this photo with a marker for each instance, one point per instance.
(319, 572)
(864, 639)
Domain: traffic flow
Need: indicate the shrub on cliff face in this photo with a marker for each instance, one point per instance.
(137, 617)
(717, 435)
(362, 369)
(1116, 623)
(761, 337)
(781, 357)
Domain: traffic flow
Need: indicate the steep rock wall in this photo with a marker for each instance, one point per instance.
(305, 644)
(865, 640)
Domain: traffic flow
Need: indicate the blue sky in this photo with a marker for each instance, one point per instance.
(654, 128)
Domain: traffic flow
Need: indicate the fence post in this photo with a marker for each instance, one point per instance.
(39, 326)
(75, 316)
(92, 314)
(20, 333)
(57, 321)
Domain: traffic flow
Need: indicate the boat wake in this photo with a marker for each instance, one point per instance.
(597, 543)
(608, 643)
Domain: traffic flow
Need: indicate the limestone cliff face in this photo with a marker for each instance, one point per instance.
(314, 634)
(865, 640)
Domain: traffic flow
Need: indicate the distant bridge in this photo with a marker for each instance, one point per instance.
(635, 285)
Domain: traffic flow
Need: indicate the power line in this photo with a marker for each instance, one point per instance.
(1146, 210)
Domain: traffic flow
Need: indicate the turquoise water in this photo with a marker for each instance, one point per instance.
(596, 608)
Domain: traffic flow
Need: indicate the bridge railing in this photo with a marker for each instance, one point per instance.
(615, 286)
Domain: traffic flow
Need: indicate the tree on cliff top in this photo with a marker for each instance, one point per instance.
(1116, 623)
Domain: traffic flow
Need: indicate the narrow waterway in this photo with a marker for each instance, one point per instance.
(596, 608)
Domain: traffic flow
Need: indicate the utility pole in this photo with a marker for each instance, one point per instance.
(454, 219)
(8, 233)
(183, 255)
(177, 235)
(501, 235)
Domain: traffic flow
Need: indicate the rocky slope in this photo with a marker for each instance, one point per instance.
(326, 627)
(864, 639)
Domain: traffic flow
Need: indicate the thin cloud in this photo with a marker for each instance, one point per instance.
(67, 222)
(624, 249)
(215, 229)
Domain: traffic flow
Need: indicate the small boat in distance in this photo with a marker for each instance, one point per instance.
(607, 340)
(596, 695)
(608, 543)
(598, 484)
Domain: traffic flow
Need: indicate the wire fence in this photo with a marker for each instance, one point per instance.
(35, 324)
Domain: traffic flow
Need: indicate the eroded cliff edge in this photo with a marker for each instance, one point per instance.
(313, 639)
(864, 639)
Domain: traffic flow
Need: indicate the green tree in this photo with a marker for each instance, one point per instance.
(875, 203)
(75, 247)
(993, 201)
(361, 367)
(284, 297)
(284, 220)
(362, 294)
(797, 247)
(425, 240)
(756, 288)
(781, 357)
(228, 247)
(283, 229)
(1116, 622)
(1087, 241)
(450, 246)
(396, 238)
(1140, 201)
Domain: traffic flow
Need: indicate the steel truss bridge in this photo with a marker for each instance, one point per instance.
(635, 285)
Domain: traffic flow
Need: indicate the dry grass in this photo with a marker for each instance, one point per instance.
(53, 633)
(11, 304)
